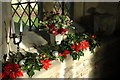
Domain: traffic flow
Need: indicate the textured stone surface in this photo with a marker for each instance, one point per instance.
(0, 30)
(5, 17)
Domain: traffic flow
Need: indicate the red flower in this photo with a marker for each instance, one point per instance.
(84, 44)
(81, 45)
(76, 46)
(60, 54)
(11, 70)
(3, 75)
(12, 76)
(54, 31)
(50, 31)
(65, 52)
(62, 31)
(92, 36)
(52, 26)
(18, 73)
(45, 63)
(57, 31)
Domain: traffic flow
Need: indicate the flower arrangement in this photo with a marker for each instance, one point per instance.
(11, 71)
(74, 45)
(55, 23)
(77, 43)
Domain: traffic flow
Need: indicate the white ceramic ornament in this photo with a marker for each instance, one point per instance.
(55, 53)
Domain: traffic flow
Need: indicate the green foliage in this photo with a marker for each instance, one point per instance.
(56, 19)
(30, 73)
(74, 44)
(31, 61)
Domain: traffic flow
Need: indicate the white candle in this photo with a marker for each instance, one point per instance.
(21, 27)
(13, 27)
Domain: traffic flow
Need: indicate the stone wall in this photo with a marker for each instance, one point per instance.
(97, 16)
(0, 36)
(5, 15)
(0, 31)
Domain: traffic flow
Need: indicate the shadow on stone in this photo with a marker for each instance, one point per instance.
(105, 62)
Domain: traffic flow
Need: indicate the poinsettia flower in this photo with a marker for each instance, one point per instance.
(84, 44)
(62, 31)
(65, 52)
(50, 31)
(76, 46)
(7, 72)
(11, 70)
(52, 26)
(12, 76)
(18, 73)
(53, 31)
(46, 64)
(2, 75)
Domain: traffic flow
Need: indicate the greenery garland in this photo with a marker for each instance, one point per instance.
(74, 44)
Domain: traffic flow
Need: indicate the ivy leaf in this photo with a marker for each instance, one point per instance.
(29, 66)
(61, 58)
(36, 67)
(78, 57)
(81, 53)
(30, 73)
(23, 68)
(74, 56)
(38, 62)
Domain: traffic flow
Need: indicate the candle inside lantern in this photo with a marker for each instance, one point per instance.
(13, 27)
(21, 27)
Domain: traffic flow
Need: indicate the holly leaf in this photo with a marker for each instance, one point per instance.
(30, 73)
